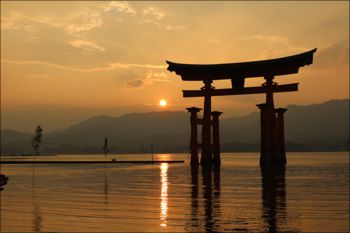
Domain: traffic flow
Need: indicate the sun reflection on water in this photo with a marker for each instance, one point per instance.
(164, 194)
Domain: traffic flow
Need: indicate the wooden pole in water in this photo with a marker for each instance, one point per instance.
(105, 150)
(33, 172)
(105, 147)
(152, 151)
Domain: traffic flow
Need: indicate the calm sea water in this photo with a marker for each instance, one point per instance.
(310, 195)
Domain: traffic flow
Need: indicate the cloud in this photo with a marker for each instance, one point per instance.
(268, 46)
(155, 16)
(11, 21)
(270, 39)
(150, 78)
(153, 13)
(87, 46)
(77, 23)
(130, 65)
(82, 21)
(171, 27)
(118, 6)
(135, 83)
(267, 41)
(112, 66)
(333, 55)
(158, 77)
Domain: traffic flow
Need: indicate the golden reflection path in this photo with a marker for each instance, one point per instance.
(164, 194)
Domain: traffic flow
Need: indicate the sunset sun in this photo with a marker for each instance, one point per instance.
(163, 103)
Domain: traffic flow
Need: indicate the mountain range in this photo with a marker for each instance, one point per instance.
(317, 127)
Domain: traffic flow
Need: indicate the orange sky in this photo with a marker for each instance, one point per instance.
(62, 62)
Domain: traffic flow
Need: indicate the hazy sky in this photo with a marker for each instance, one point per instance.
(62, 62)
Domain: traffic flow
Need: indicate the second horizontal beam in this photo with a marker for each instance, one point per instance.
(245, 91)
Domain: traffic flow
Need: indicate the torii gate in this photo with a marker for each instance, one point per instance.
(272, 125)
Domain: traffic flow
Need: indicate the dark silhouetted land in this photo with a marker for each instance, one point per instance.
(318, 127)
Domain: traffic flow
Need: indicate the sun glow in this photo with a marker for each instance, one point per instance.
(163, 103)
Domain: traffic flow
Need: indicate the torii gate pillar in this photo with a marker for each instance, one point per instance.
(194, 136)
(280, 133)
(272, 129)
(206, 158)
(216, 138)
(265, 132)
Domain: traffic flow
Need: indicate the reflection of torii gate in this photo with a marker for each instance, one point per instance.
(272, 129)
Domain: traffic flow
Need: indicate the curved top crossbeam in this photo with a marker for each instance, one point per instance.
(241, 70)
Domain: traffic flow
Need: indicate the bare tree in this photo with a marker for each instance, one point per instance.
(36, 140)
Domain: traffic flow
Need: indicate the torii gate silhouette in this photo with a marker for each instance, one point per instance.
(271, 119)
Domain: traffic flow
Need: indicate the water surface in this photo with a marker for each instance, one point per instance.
(310, 195)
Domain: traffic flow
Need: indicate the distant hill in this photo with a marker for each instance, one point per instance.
(12, 136)
(318, 127)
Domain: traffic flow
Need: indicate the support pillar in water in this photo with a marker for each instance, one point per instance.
(270, 141)
(194, 136)
(280, 132)
(265, 140)
(206, 159)
(272, 135)
(216, 138)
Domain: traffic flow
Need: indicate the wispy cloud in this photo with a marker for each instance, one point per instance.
(158, 76)
(130, 65)
(111, 66)
(77, 23)
(155, 16)
(135, 83)
(153, 12)
(81, 21)
(119, 7)
(269, 45)
(86, 46)
(150, 78)
(333, 55)
(11, 21)
(267, 38)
